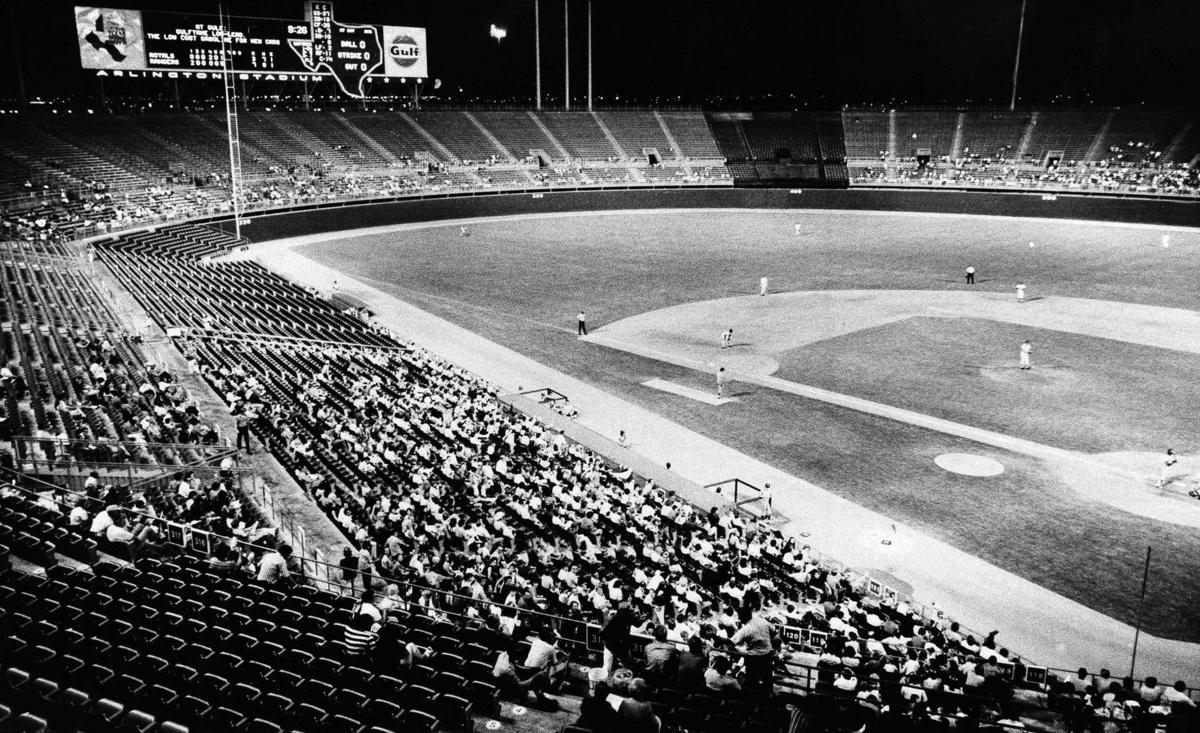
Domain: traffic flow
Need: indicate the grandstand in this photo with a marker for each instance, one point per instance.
(100, 172)
(1117, 150)
(462, 506)
(764, 148)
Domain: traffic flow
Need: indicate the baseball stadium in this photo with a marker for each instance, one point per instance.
(339, 396)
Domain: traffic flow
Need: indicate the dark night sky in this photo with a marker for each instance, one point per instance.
(819, 54)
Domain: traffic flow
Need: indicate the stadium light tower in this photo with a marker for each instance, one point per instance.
(231, 123)
(498, 33)
(1012, 102)
(15, 45)
(567, 54)
(537, 52)
(589, 27)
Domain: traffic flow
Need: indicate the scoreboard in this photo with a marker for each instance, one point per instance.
(194, 43)
(144, 43)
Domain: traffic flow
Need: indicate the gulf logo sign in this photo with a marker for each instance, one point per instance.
(405, 53)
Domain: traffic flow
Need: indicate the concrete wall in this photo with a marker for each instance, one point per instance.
(353, 216)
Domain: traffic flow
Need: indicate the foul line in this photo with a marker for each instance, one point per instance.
(858, 404)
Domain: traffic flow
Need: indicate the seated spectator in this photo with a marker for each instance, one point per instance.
(846, 681)
(79, 513)
(662, 658)
(869, 693)
(391, 598)
(366, 605)
(693, 664)
(717, 677)
(222, 559)
(546, 657)
(636, 714)
(1151, 692)
(519, 683)
(1080, 681)
(360, 636)
(596, 713)
(392, 650)
(104, 519)
(1177, 695)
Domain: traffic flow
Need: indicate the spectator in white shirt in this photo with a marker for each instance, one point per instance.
(104, 519)
(846, 681)
(274, 565)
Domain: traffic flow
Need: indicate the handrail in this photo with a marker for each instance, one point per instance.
(239, 471)
(222, 450)
(232, 335)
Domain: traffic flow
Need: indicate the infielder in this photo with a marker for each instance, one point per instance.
(1020, 292)
(720, 382)
(1169, 462)
(1026, 349)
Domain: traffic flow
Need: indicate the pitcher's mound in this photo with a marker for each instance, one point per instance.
(1040, 377)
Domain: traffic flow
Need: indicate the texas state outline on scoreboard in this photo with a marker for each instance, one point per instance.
(341, 48)
(123, 43)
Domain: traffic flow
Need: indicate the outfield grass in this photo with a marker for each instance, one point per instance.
(521, 282)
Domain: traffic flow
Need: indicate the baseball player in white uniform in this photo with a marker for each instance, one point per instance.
(1169, 461)
(1026, 349)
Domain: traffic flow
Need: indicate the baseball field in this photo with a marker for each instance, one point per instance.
(874, 306)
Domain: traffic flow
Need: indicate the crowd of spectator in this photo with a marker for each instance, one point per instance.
(460, 507)
(1112, 174)
(116, 409)
(55, 214)
(498, 509)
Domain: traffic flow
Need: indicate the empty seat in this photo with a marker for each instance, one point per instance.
(29, 723)
(416, 721)
(384, 712)
(138, 720)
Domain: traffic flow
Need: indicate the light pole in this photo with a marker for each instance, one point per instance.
(589, 9)
(566, 54)
(1012, 103)
(537, 51)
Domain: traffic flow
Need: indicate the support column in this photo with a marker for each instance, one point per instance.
(1012, 102)
(18, 62)
(537, 52)
(589, 60)
(566, 54)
